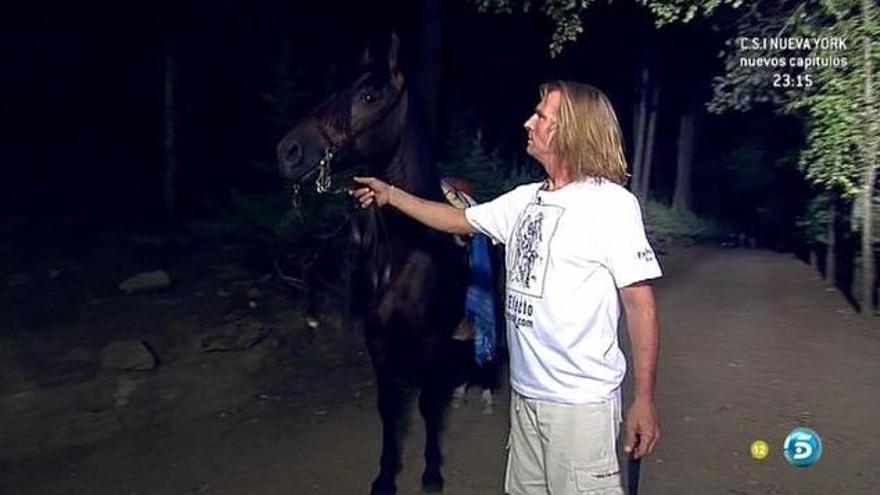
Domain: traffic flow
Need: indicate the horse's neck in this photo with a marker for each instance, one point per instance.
(412, 167)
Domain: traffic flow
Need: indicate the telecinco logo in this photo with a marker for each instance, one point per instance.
(802, 447)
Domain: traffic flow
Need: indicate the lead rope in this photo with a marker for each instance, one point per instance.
(383, 236)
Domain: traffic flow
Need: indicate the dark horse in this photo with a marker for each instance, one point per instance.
(410, 279)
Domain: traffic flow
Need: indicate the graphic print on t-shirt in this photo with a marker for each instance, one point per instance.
(530, 247)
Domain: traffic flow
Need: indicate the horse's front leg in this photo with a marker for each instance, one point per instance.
(432, 403)
(390, 402)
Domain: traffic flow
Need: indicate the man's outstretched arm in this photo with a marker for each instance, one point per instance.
(434, 214)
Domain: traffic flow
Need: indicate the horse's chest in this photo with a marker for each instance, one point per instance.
(417, 288)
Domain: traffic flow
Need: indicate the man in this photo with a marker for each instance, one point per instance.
(575, 247)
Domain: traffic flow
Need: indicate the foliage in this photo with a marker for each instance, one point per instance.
(813, 223)
(664, 222)
(671, 11)
(568, 23)
(839, 107)
(840, 124)
(833, 106)
(246, 215)
(840, 118)
(465, 155)
(565, 15)
(858, 213)
(742, 87)
(768, 193)
(317, 215)
(285, 90)
(272, 215)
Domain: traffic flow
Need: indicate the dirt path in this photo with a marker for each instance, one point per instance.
(753, 345)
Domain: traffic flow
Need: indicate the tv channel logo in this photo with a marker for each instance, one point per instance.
(802, 447)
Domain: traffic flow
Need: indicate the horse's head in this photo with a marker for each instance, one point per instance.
(360, 123)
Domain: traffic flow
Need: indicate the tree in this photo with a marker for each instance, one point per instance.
(428, 68)
(870, 27)
(836, 101)
(682, 198)
(169, 135)
(839, 110)
(640, 125)
(566, 15)
(646, 109)
(644, 185)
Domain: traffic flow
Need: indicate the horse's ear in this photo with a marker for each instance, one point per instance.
(366, 58)
(394, 60)
(393, 54)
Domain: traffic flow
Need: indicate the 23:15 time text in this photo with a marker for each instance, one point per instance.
(790, 81)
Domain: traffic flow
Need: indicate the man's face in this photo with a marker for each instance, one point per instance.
(541, 128)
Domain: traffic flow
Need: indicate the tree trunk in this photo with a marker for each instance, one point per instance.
(640, 114)
(868, 269)
(348, 274)
(870, 150)
(428, 66)
(831, 239)
(169, 152)
(282, 87)
(682, 199)
(645, 186)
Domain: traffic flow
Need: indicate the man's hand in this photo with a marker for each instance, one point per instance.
(642, 428)
(375, 191)
(434, 214)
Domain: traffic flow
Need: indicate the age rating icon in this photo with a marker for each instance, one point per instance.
(759, 450)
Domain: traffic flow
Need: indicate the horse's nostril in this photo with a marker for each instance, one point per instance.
(294, 154)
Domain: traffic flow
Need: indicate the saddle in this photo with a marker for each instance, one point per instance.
(458, 193)
(479, 303)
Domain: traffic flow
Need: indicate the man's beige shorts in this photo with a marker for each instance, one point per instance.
(562, 449)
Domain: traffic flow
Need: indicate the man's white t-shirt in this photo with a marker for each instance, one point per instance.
(568, 251)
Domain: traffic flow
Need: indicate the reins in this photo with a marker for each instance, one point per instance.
(341, 123)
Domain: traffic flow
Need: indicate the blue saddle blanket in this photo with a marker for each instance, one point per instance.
(480, 302)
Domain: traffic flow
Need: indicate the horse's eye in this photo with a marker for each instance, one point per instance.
(368, 97)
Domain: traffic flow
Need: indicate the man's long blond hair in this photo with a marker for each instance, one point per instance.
(588, 137)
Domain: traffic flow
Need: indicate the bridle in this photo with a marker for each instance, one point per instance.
(340, 121)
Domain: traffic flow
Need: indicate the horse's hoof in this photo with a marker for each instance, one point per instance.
(432, 483)
(488, 402)
(459, 396)
(382, 487)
